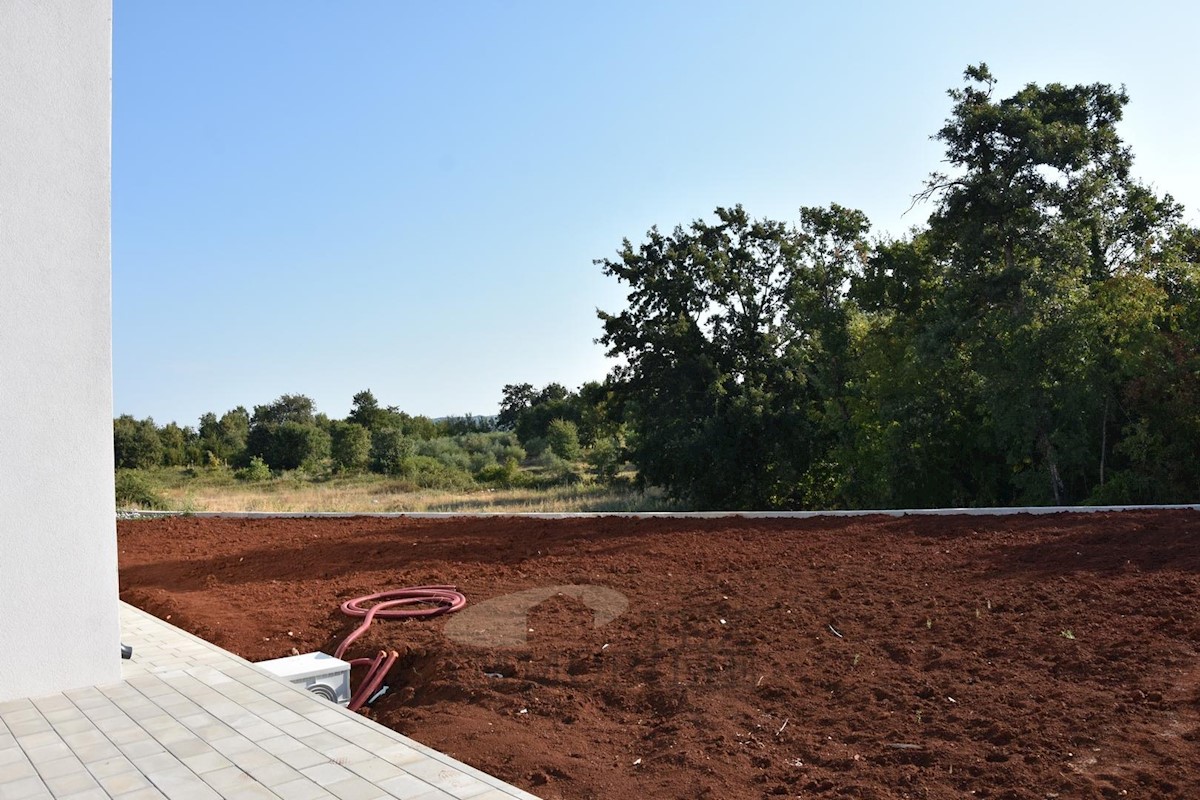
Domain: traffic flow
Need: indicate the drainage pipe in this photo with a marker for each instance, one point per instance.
(406, 603)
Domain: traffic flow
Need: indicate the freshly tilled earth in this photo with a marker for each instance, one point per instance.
(870, 657)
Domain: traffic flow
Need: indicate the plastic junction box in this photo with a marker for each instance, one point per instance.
(319, 673)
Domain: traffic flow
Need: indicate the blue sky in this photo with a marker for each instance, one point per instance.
(316, 197)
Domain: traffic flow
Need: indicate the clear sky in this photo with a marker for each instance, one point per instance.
(319, 197)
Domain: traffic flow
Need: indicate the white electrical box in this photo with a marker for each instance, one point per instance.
(319, 673)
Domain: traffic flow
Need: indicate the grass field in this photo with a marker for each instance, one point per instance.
(181, 490)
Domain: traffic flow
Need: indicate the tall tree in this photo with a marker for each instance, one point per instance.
(734, 341)
(366, 411)
(516, 398)
(136, 444)
(350, 446)
(288, 408)
(284, 434)
(1039, 212)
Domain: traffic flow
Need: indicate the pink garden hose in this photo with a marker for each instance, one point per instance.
(409, 602)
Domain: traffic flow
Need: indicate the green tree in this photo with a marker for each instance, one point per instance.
(563, 437)
(296, 408)
(553, 402)
(467, 423)
(1039, 215)
(392, 453)
(175, 442)
(366, 411)
(598, 412)
(295, 445)
(516, 398)
(735, 346)
(234, 429)
(223, 439)
(284, 434)
(350, 446)
(136, 444)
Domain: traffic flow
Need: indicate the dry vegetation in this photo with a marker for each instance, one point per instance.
(379, 494)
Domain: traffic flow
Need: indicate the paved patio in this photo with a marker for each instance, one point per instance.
(190, 721)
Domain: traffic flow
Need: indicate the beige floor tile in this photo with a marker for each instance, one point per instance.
(24, 789)
(302, 758)
(17, 770)
(110, 766)
(300, 789)
(209, 726)
(353, 788)
(405, 785)
(210, 761)
(62, 785)
(123, 782)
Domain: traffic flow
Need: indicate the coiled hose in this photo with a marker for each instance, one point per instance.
(406, 603)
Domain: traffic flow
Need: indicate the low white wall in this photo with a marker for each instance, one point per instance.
(889, 512)
(58, 559)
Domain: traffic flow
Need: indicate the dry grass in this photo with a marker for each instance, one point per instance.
(383, 496)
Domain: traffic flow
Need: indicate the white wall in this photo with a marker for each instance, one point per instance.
(58, 556)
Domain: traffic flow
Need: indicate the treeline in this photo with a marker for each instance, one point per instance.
(545, 436)
(1037, 341)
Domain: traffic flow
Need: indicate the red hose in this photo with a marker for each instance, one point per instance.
(413, 601)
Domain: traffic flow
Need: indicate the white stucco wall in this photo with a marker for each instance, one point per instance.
(58, 555)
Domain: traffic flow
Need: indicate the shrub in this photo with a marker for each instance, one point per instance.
(511, 451)
(481, 461)
(506, 474)
(564, 473)
(392, 453)
(134, 490)
(605, 459)
(254, 472)
(447, 451)
(428, 473)
(288, 445)
(554, 471)
(546, 460)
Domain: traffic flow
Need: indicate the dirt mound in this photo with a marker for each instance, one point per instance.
(918, 657)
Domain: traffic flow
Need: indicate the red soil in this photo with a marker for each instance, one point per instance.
(1001, 657)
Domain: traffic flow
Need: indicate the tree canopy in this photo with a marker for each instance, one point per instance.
(1004, 353)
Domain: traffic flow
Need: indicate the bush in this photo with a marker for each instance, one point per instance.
(392, 453)
(554, 471)
(511, 451)
(481, 461)
(474, 451)
(564, 473)
(605, 459)
(134, 490)
(288, 445)
(506, 474)
(447, 451)
(428, 473)
(254, 472)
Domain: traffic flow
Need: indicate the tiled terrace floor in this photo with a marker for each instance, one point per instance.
(190, 721)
